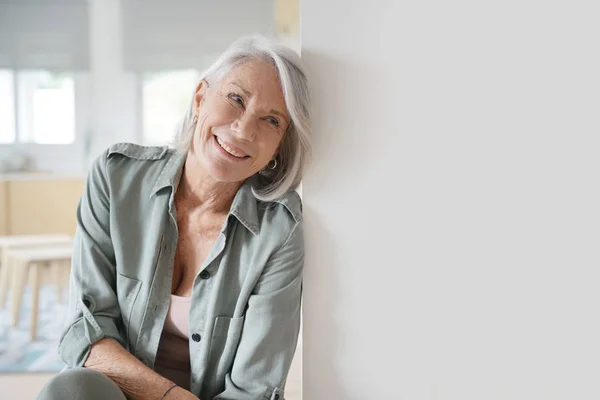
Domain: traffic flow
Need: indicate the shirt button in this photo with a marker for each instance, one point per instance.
(204, 274)
(196, 337)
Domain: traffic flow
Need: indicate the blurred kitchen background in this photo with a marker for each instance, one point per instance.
(75, 77)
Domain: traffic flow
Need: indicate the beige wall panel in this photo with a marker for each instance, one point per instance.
(46, 206)
(287, 18)
(3, 209)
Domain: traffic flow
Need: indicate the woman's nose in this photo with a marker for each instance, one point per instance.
(246, 127)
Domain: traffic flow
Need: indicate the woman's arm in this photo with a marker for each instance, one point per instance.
(93, 336)
(136, 380)
(271, 327)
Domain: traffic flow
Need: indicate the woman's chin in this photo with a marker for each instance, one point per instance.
(220, 169)
(224, 174)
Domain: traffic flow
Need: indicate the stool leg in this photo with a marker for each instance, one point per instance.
(18, 282)
(35, 287)
(4, 278)
(66, 275)
(56, 268)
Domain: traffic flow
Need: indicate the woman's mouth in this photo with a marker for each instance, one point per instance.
(229, 150)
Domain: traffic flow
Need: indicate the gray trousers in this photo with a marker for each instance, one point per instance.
(81, 384)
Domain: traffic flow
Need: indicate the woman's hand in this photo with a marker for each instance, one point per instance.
(179, 393)
(135, 379)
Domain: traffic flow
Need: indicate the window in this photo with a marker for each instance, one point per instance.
(165, 97)
(37, 107)
(8, 133)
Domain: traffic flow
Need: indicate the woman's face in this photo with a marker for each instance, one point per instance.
(241, 122)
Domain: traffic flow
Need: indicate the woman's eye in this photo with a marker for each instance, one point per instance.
(236, 98)
(273, 121)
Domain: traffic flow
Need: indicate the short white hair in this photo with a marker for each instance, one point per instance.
(295, 149)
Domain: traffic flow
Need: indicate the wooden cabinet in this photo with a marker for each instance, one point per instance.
(39, 205)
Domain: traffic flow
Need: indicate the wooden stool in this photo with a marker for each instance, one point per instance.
(23, 241)
(30, 261)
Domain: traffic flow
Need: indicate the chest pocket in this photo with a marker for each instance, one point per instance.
(225, 339)
(128, 290)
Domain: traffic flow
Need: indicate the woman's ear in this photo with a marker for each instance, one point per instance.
(199, 95)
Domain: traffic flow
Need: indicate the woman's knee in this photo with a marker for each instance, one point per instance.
(80, 384)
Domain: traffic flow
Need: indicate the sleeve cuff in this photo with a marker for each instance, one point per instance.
(274, 394)
(75, 344)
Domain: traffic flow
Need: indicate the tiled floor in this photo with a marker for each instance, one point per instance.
(27, 386)
(22, 386)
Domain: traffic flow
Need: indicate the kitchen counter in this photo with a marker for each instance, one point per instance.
(39, 176)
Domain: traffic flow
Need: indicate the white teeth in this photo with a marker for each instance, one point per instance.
(229, 149)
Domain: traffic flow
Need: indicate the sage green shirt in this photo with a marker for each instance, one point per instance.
(245, 308)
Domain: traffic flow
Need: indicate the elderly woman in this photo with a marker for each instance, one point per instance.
(187, 270)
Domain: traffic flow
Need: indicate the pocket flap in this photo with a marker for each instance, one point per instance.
(127, 288)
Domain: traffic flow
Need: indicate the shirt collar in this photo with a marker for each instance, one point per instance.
(245, 209)
(171, 172)
(244, 206)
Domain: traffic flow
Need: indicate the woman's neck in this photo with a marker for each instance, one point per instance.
(200, 190)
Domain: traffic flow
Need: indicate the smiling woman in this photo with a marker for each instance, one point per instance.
(232, 82)
(187, 275)
(238, 129)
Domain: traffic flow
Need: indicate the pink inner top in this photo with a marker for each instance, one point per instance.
(173, 356)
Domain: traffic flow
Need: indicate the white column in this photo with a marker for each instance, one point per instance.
(452, 209)
(114, 91)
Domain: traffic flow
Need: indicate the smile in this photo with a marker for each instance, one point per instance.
(229, 150)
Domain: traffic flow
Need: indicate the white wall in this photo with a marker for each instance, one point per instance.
(453, 207)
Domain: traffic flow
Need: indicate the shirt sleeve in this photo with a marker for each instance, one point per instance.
(94, 312)
(271, 327)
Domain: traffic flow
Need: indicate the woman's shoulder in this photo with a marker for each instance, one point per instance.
(133, 158)
(284, 222)
(138, 152)
(129, 164)
(283, 214)
(292, 202)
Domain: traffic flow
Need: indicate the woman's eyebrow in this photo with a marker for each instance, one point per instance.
(282, 115)
(273, 111)
(247, 93)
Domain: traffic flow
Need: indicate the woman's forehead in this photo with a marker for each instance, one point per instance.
(254, 73)
(258, 79)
